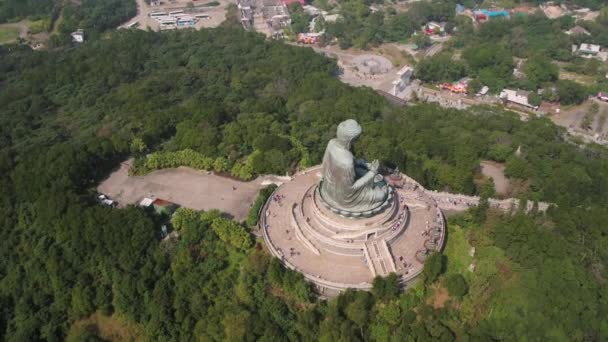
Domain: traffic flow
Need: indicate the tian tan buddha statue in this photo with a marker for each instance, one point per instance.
(350, 185)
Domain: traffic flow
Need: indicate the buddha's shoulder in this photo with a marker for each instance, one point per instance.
(339, 152)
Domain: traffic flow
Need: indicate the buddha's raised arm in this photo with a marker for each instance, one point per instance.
(365, 180)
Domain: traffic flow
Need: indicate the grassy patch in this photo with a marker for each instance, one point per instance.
(42, 25)
(493, 275)
(8, 34)
(457, 251)
(110, 328)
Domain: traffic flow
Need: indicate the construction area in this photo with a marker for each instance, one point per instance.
(176, 14)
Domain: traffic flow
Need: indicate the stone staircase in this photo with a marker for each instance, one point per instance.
(379, 257)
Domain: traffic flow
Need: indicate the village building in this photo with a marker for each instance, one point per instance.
(518, 97)
(246, 13)
(485, 14)
(146, 202)
(483, 91)
(433, 27)
(78, 36)
(577, 30)
(311, 10)
(162, 206)
(290, 2)
(404, 77)
(553, 11)
(589, 49)
(522, 11)
(331, 18)
(586, 50)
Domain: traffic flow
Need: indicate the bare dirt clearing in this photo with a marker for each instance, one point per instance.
(186, 187)
(572, 117)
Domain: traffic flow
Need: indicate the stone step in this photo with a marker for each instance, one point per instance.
(379, 256)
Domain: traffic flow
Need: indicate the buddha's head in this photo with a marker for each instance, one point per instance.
(348, 131)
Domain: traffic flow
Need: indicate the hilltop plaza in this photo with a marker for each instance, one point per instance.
(344, 223)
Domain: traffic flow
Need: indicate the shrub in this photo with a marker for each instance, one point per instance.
(457, 285)
(252, 218)
(386, 288)
(433, 267)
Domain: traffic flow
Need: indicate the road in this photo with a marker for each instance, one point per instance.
(433, 50)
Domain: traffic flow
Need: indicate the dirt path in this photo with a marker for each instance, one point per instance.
(497, 172)
(186, 187)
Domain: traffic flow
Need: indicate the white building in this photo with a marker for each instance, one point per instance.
(519, 97)
(311, 10)
(483, 91)
(331, 18)
(435, 26)
(78, 36)
(589, 49)
(404, 77)
(146, 202)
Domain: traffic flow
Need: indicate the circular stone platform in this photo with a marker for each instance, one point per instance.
(336, 252)
(372, 64)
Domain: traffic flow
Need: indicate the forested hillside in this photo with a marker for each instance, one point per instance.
(67, 117)
(60, 18)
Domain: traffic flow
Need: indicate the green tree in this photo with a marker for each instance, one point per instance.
(433, 267)
(539, 70)
(386, 288)
(457, 285)
(138, 146)
(570, 92)
(534, 99)
(422, 40)
(299, 19)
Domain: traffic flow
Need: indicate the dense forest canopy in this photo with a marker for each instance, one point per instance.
(16, 9)
(67, 117)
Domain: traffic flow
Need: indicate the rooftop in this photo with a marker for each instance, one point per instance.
(162, 203)
(589, 48)
(578, 30)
